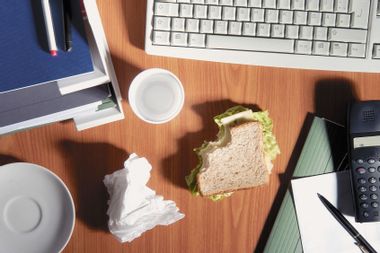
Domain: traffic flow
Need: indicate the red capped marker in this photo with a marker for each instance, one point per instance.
(49, 27)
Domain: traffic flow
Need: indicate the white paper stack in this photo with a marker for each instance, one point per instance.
(133, 207)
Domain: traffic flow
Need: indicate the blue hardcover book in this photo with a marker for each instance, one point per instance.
(24, 54)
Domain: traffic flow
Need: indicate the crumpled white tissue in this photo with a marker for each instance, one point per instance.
(133, 207)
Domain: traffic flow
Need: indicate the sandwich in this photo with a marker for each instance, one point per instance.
(240, 158)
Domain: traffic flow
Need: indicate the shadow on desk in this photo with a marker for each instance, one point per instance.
(125, 73)
(331, 99)
(5, 159)
(175, 169)
(88, 163)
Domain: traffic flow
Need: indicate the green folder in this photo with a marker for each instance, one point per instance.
(324, 151)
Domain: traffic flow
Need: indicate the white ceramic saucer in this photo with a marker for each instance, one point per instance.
(36, 210)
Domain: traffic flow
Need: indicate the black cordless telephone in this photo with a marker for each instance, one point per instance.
(364, 159)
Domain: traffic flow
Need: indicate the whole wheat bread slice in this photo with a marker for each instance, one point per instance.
(239, 164)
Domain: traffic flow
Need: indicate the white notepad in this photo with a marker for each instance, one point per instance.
(320, 232)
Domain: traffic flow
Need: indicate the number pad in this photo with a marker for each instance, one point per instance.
(366, 180)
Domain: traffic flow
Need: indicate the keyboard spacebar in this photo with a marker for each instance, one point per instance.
(250, 43)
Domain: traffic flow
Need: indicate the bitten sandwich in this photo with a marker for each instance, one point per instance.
(240, 158)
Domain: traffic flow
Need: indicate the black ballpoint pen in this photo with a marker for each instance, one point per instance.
(361, 242)
(67, 24)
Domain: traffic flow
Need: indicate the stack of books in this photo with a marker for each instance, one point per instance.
(37, 88)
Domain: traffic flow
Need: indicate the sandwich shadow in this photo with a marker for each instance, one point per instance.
(180, 164)
(88, 163)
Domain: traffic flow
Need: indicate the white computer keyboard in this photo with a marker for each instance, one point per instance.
(341, 35)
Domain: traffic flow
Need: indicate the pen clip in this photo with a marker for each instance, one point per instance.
(362, 248)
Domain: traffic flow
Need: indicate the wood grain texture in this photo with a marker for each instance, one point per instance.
(238, 224)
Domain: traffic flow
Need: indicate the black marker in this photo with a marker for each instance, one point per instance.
(361, 242)
(67, 25)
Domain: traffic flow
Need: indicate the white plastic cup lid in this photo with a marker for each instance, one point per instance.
(156, 96)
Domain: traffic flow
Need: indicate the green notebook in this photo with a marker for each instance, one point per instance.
(324, 151)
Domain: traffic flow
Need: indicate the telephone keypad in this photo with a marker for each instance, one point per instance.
(366, 180)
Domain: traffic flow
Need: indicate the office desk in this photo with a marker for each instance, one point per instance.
(240, 223)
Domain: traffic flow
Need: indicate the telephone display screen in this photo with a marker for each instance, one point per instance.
(368, 141)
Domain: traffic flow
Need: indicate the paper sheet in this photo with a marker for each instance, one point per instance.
(320, 232)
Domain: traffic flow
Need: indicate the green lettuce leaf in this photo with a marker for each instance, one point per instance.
(234, 115)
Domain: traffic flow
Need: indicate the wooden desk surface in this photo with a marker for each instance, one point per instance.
(238, 224)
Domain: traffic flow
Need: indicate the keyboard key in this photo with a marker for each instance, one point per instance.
(343, 20)
(207, 26)
(312, 5)
(220, 27)
(360, 9)
(347, 35)
(366, 214)
(339, 49)
(341, 6)
(178, 39)
(249, 29)
(291, 31)
(363, 197)
(362, 189)
(254, 3)
(283, 4)
(328, 19)
(229, 13)
(178, 24)
(226, 2)
(376, 55)
(372, 188)
(197, 40)
(161, 23)
(242, 3)
(200, 11)
(278, 31)
(298, 5)
(315, 18)
(300, 17)
(286, 17)
(182, 1)
(320, 33)
(362, 181)
(243, 14)
(360, 161)
(212, 2)
(198, 1)
(375, 204)
(186, 11)
(166, 9)
(303, 47)
(263, 30)
(250, 43)
(257, 15)
(373, 196)
(306, 32)
(327, 5)
(214, 12)
(161, 38)
(192, 25)
(234, 28)
(322, 48)
(271, 16)
(269, 4)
